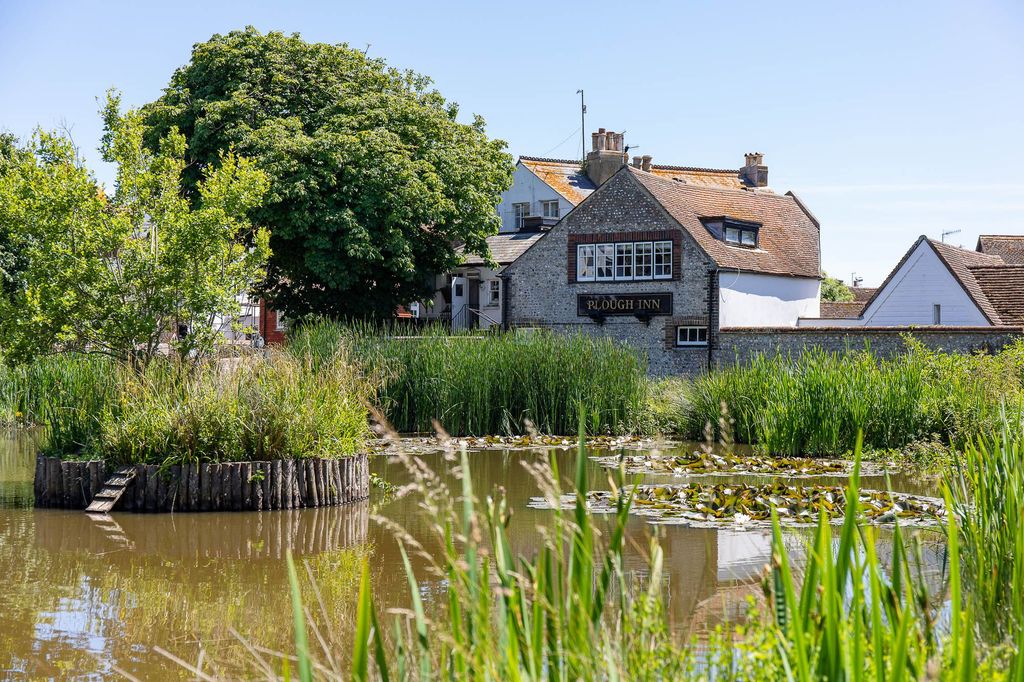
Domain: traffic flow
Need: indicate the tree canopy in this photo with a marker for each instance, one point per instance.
(373, 180)
(833, 289)
(118, 274)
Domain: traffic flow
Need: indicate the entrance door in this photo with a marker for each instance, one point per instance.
(459, 299)
(474, 303)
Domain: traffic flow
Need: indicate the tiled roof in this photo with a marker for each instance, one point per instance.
(505, 248)
(838, 310)
(862, 294)
(565, 177)
(1009, 247)
(960, 261)
(787, 239)
(705, 177)
(1003, 287)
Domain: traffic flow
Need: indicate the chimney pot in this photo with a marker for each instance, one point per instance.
(646, 163)
(602, 140)
(637, 161)
(593, 142)
(600, 131)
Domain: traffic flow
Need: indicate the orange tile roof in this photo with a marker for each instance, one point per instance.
(565, 177)
(788, 240)
(568, 179)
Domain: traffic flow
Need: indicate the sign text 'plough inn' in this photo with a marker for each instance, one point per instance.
(640, 305)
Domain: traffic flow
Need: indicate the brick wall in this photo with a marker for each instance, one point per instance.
(741, 344)
(540, 294)
(268, 325)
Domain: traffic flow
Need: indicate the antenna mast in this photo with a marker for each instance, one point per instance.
(946, 233)
(583, 126)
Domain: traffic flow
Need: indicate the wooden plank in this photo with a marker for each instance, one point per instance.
(107, 497)
(245, 473)
(204, 487)
(312, 483)
(302, 497)
(287, 472)
(152, 485)
(265, 485)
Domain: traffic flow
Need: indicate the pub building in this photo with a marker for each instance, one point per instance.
(666, 257)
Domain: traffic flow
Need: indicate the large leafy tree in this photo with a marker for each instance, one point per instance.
(374, 181)
(117, 275)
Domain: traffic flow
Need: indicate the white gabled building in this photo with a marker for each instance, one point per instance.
(936, 284)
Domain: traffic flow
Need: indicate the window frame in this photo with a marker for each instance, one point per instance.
(667, 266)
(581, 260)
(520, 220)
(544, 204)
(280, 324)
(637, 265)
(493, 292)
(696, 342)
(604, 251)
(626, 261)
(936, 314)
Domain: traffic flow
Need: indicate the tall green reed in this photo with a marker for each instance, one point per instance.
(494, 383)
(818, 402)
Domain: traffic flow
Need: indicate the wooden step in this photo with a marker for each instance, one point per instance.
(111, 492)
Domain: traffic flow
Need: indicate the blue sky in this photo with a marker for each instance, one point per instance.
(890, 119)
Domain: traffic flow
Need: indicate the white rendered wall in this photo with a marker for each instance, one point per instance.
(909, 297)
(752, 300)
(527, 188)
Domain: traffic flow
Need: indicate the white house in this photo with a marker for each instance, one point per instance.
(936, 284)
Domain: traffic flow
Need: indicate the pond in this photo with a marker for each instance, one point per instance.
(86, 598)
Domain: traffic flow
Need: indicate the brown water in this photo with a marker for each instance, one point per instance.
(83, 598)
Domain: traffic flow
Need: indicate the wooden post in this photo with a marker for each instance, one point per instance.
(193, 486)
(152, 485)
(311, 482)
(172, 499)
(204, 487)
(213, 503)
(275, 484)
(257, 485)
(265, 486)
(236, 486)
(37, 487)
(287, 475)
(300, 483)
(141, 485)
(95, 482)
(52, 482)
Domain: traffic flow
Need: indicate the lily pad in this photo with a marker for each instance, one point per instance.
(709, 463)
(728, 504)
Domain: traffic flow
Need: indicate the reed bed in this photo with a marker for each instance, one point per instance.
(817, 403)
(253, 407)
(475, 384)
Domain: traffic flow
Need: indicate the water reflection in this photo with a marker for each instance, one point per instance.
(82, 596)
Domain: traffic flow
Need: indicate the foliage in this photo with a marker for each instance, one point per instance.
(373, 179)
(478, 385)
(833, 289)
(235, 409)
(114, 275)
(817, 403)
(987, 495)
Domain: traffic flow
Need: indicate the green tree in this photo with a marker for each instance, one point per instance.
(118, 275)
(373, 180)
(833, 289)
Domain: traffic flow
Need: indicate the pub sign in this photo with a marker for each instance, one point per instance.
(642, 305)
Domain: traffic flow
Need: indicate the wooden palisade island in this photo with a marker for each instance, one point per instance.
(227, 486)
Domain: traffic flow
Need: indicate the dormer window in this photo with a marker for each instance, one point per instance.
(734, 232)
